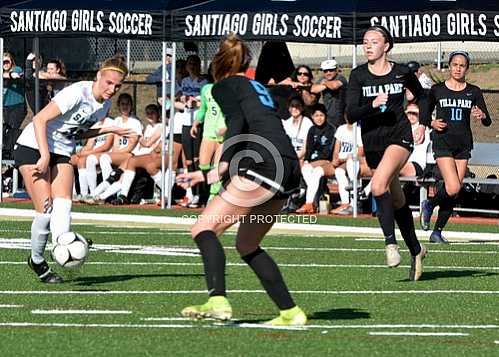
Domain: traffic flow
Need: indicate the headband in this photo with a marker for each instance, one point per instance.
(462, 53)
(386, 34)
(111, 68)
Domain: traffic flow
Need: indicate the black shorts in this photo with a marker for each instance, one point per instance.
(376, 142)
(266, 175)
(442, 148)
(190, 145)
(24, 155)
(419, 170)
(177, 138)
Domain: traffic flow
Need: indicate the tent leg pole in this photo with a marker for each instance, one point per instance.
(1, 122)
(171, 125)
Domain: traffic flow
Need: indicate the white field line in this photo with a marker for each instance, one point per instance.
(22, 243)
(104, 233)
(9, 306)
(308, 292)
(478, 242)
(169, 319)
(424, 334)
(33, 324)
(198, 325)
(287, 265)
(80, 312)
(295, 227)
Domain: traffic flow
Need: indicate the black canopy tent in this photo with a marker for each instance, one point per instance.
(338, 22)
(431, 20)
(144, 20)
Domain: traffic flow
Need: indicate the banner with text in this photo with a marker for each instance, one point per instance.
(337, 28)
(126, 24)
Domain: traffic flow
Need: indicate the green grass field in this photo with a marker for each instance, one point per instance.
(140, 278)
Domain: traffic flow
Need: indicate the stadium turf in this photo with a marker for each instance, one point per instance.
(126, 299)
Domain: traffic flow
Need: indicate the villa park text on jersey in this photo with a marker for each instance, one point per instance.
(388, 88)
(455, 103)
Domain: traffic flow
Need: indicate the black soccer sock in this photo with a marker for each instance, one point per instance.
(405, 222)
(441, 196)
(444, 213)
(386, 217)
(213, 256)
(270, 276)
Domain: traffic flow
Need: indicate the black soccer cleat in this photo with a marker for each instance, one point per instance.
(44, 273)
(120, 200)
(436, 237)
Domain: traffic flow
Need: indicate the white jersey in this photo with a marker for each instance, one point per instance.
(148, 133)
(297, 132)
(418, 155)
(345, 136)
(131, 123)
(79, 111)
(181, 119)
(101, 139)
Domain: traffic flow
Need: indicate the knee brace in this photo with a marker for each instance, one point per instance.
(115, 175)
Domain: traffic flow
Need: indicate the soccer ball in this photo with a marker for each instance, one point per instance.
(70, 250)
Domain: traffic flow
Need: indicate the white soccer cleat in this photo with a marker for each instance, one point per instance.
(392, 255)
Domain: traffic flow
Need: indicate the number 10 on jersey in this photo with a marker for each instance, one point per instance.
(456, 114)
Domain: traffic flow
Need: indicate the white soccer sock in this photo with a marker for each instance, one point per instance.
(105, 166)
(127, 180)
(111, 190)
(91, 171)
(352, 174)
(103, 186)
(39, 236)
(82, 178)
(157, 179)
(342, 180)
(306, 170)
(367, 189)
(61, 217)
(188, 193)
(313, 185)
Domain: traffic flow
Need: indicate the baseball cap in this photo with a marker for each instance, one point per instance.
(329, 64)
(169, 52)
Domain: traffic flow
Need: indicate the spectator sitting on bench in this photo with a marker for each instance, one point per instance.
(93, 146)
(297, 126)
(344, 169)
(147, 157)
(416, 163)
(123, 147)
(318, 155)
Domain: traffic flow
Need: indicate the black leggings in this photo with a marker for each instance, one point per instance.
(190, 145)
(13, 117)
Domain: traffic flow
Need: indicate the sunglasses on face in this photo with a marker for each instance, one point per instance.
(303, 74)
(7, 62)
(328, 70)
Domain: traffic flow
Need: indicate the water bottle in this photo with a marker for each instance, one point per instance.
(382, 107)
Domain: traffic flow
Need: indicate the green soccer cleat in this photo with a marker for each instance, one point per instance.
(291, 317)
(217, 307)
